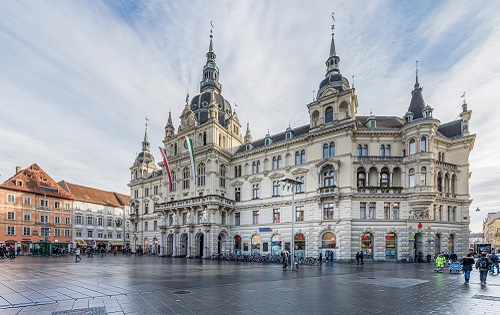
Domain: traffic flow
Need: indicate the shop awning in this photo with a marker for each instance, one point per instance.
(90, 242)
(116, 243)
(81, 242)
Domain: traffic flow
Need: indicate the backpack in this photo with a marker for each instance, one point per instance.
(483, 263)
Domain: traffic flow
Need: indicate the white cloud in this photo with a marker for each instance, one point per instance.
(78, 79)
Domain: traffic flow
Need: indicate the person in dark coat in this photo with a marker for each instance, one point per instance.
(467, 263)
(357, 258)
(361, 256)
(453, 257)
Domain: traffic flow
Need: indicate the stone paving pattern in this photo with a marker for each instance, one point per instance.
(156, 285)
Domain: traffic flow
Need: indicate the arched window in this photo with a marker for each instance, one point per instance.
(384, 178)
(328, 114)
(440, 182)
(237, 245)
(423, 144)
(360, 150)
(175, 148)
(332, 149)
(361, 178)
(255, 191)
(258, 166)
(297, 158)
(390, 246)
(276, 242)
(454, 184)
(185, 178)
(329, 240)
(275, 163)
(365, 150)
(303, 157)
(280, 162)
(382, 150)
(300, 245)
(223, 176)
(367, 245)
(388, 150)
(201, 175)
(411, 177)
(254, 167)
(329, 179)
(412, 147)
(256, 244)
(174, 181)
(423, 176)
(325, 150)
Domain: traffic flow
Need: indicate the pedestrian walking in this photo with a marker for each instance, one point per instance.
(483, 264)
(102, 252)
(440, 262)
(453, 257)
(320, 259)
(361, 257)
(357, 258)
(285, 255)
(77, 254)
(467, 263)
(494, 263)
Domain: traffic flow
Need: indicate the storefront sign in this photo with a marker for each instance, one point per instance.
(411, 239)
(265, 229)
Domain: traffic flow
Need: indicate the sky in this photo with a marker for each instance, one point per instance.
(78, 78)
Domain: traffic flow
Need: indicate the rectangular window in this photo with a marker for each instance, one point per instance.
(67, 206)
(170, 220)
(199, 215)
(26, 231)
(57, 205)
(255, 217)
(67, 220)
(78, 219)
(89, 233)
(27, 200)
(109, 222)
(387, 210)
(223, 218)
(27, 217)
(155, 189)
(57, 232)
(99, 235)
(90, 220)
(155, 225)
(45, 232)
(146, 192)
(146, 209)
(362, 210)
(11, 230)
(237, 194)
(371, 214)
(395, 210)
(328, 211)
(255, 191)
(44, 218)
(118, 235)
(145, 226)
(11, 199)
(110, 234)
(184, 218)
(100, 221)
(57, 220)
(78, 234)
(237, 219)
(11, 215)
(276, 216)
(299, 214)
(67, 232)
(44, 203)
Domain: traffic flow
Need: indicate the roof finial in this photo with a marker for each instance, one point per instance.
(353, 81)
(463, 96)
(187, 95)
(416, 75)
(464, 105)
(333, 22)
(211, 29)
(314, 91)
(147, 123)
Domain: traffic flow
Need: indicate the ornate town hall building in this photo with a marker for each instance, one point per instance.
(388, 185)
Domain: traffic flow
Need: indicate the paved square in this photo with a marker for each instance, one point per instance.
(154, 285)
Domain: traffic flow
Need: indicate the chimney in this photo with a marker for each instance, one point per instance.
(18, 169)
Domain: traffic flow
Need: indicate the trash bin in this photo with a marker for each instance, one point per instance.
(428, 258)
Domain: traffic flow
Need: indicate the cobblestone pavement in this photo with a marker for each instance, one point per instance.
(156, 285)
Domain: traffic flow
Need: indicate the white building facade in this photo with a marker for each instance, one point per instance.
(389, 186)
(99, 218)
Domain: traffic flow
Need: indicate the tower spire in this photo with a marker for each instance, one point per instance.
(332, 64)
(145, 142)
(210, 79)
(417, 85)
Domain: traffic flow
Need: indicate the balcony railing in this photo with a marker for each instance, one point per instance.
(448, 166)
(194, 202)
(379, 159)
(326, 191)
(378, 190)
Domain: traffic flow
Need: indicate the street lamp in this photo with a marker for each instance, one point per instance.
(290, 182)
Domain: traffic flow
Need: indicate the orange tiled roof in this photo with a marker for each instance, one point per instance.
(94, 195)
(34, 179)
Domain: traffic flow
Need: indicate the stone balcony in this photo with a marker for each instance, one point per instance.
(195, 202)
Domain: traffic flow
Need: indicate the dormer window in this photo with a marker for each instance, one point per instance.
(289, 134)
(268, 140)
(408, 117)
(328, 115)
(248, 146)
(19, 183)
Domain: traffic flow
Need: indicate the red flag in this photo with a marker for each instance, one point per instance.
(167, 167)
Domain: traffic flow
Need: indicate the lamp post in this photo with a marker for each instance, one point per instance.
(290, 182)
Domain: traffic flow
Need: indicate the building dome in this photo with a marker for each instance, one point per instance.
(199, 105)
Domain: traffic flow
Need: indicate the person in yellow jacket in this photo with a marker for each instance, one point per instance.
(440, 262)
